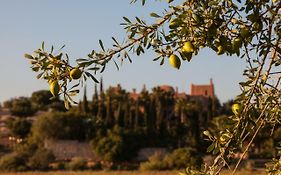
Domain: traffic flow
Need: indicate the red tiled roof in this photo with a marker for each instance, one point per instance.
(134, 95)
(167, 88)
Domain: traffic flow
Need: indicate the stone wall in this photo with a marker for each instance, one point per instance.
(68, 149)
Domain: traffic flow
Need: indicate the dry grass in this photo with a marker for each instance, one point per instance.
(244, 172)
(97, 173)
(126, 173)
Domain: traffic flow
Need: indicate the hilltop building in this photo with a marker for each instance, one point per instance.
(203, 90)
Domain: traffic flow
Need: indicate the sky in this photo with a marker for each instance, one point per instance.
(79, 25)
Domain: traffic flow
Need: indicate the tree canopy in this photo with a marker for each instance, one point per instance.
(21, 107)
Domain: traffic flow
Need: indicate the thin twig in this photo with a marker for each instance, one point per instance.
(252, 139)
(247, 148)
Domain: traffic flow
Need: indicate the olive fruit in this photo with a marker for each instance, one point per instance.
(75, 73)
(175, 61)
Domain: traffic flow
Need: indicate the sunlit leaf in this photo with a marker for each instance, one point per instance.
(154, 15)
(101, 45)
(28, 56)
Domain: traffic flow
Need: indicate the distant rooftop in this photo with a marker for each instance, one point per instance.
(206, 90)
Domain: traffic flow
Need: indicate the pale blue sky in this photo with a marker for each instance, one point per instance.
(79, 24)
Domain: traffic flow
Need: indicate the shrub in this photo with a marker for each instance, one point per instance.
(12, 162)
(41, 159)
(61, 166)
(179, 158)
(155, 162)
(18, 159)
(26, 149)
(57, 166)
(4, 150)
(19, 127)
(182, 158)
(94, 165)
(77, 163)
(109, 147)
(116, 146)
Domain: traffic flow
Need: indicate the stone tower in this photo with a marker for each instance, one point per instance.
(203, 90)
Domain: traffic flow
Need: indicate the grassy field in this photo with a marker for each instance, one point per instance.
(125, 173)
(245, 173)
(97, 173)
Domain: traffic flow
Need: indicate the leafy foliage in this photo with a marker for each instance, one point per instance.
(27, 156)
(248, 29)
(115, 146)
(183, 157)
(19, 127)
(41, 99)
(178, 159)
(77, 163)
(12, 162)
(21, 107)
(41, 159)
(155, 162)
(64, 126)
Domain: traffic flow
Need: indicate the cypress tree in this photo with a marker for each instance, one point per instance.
(108, 118)
(85, 104)
(137, 116)
(101, 85)
(95, 100)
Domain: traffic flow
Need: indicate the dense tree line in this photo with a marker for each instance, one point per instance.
(160, 115)
(158, 118)
(118, 123)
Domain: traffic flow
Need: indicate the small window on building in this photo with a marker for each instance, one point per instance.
(206, 93)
